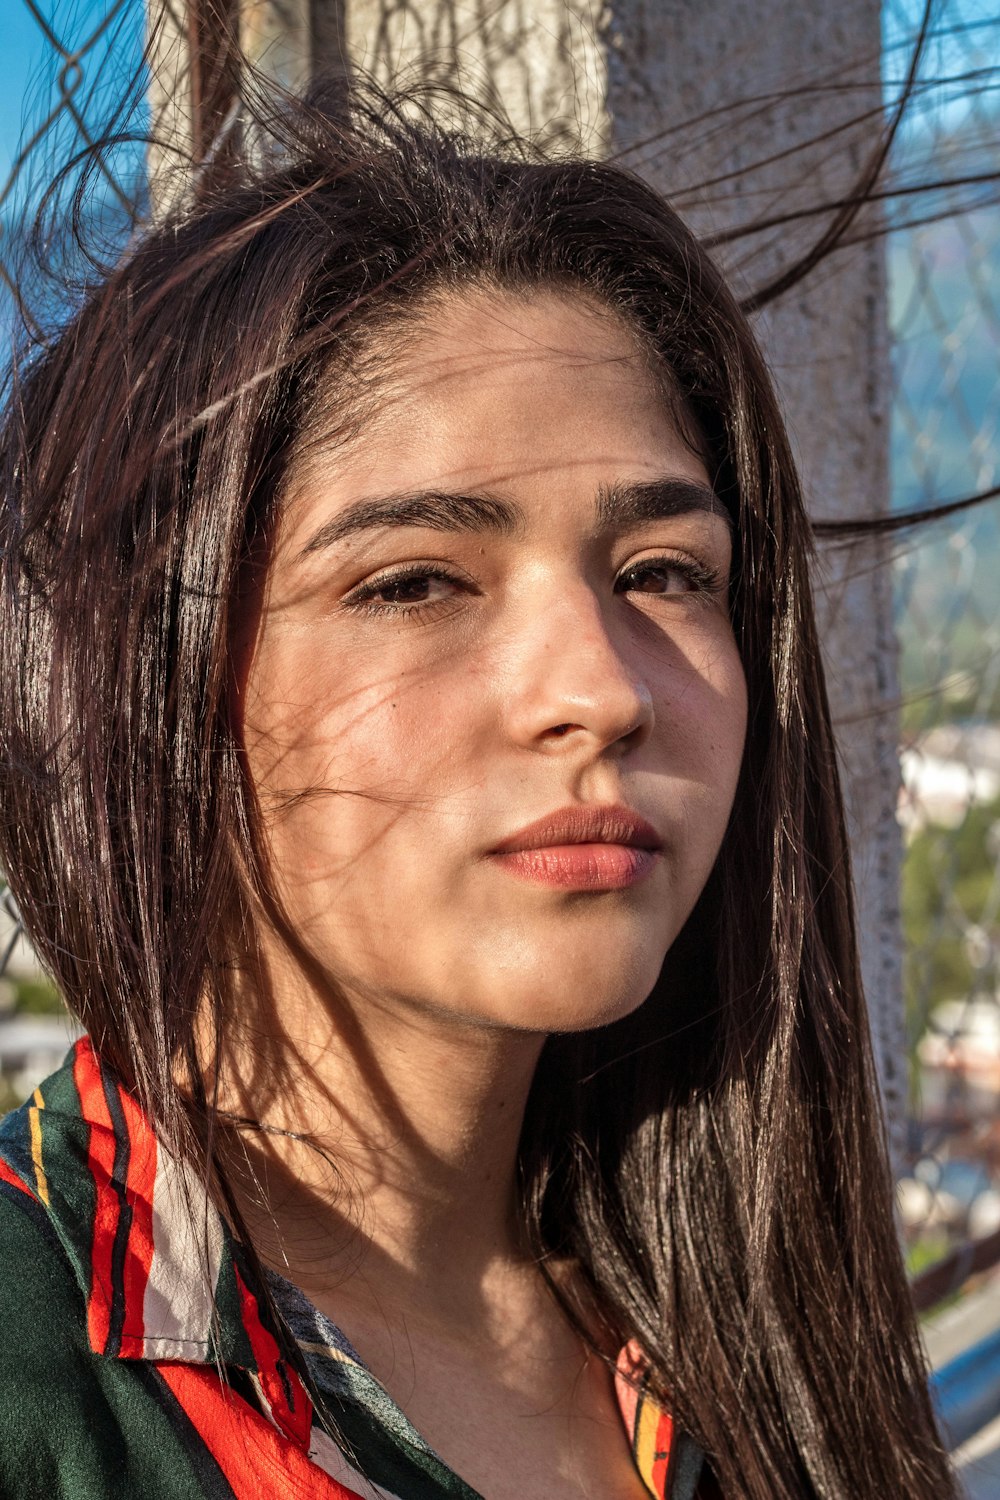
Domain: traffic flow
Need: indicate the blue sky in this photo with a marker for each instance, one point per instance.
(29, 64)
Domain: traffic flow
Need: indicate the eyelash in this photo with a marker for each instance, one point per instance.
(364, 599)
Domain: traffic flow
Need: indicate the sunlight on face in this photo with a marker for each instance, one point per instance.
(505, 598)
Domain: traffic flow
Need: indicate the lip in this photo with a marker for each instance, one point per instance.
(601, 823)
(596, 848)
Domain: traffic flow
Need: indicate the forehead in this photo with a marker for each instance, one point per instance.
(531, 395)
(460, 341)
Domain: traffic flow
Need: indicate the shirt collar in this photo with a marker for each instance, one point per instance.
(159, 1271)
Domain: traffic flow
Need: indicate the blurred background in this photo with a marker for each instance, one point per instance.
(876, 285)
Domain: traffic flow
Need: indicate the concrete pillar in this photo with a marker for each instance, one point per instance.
(541, 63)
(277, 36)
(737, 112)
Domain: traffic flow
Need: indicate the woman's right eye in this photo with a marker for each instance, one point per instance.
(407, 590)
(404, 592)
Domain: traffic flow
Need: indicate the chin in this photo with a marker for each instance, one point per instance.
(577, 1003)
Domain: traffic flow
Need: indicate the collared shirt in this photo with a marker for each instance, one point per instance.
(137, 1355)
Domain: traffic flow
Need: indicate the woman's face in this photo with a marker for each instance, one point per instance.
(504, 599)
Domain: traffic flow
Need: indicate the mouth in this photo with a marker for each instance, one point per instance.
(597, 848)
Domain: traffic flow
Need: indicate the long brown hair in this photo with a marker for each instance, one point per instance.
(715, 1163)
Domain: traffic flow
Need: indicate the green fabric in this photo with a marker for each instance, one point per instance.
(73, 1425)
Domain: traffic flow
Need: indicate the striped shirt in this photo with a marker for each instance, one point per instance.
(138, 1356)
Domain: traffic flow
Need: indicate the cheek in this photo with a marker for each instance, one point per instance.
(727, 724)
(701, 728)
(337, 757)
(701, 710)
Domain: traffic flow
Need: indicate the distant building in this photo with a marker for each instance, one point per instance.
(959, 1055)
(32, 1047)
(945, 772)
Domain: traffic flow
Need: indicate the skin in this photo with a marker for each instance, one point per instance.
(395, 733)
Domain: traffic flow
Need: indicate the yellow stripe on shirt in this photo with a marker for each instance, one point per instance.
(644, 1442)
(34, 1114)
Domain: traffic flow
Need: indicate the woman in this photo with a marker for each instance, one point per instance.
(418, 778)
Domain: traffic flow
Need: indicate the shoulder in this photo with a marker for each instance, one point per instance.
(73, 1424)
(53, 1411)
(46, 1387)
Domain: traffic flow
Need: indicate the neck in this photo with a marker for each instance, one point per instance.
(388, 1149)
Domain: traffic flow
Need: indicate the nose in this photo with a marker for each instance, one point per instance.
(569, 682)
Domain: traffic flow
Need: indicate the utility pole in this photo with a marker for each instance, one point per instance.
(738, 113)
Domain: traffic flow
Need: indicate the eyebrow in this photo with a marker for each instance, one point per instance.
(621, 506)
(628, 503)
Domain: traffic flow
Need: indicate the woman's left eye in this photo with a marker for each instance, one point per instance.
(667, 575)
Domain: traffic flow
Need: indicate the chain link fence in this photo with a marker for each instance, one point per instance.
(944, 280)
(944, 276)
(83, 58)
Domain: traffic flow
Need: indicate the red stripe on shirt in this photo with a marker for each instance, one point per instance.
(7, 1174)
(100, 1161)
(662, 1441)
(139, 1193)
(283, 1390)
(259, 1463)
